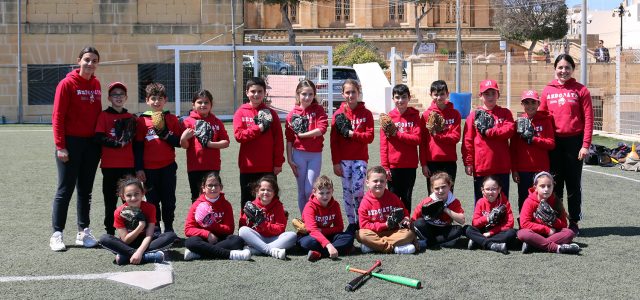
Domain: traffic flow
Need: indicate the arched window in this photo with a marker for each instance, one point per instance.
(343, 10)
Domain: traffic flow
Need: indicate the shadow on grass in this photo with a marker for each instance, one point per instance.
(606, 231)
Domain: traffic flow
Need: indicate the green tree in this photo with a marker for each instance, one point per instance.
(357, 51)
(530, 20)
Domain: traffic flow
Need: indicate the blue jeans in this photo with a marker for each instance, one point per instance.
(343, 242)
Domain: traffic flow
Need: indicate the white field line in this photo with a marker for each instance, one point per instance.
(158, 267)
(612, 175)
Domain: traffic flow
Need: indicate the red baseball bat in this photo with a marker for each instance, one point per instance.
(358, 281)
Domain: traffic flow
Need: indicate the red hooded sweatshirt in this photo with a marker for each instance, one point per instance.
(483, 209)
(275, 221)
(259, 151)
(440, 146)
(451, 203)
(317, 119)
(401, 150)
(322, 221)
(373, 212)
(533, 157)
(356, 147)
(528, 221)
(120, 157)
(201, 158)
(76, 107)
(489, 154)
(221, 221)
(158, 153)
(570, 106)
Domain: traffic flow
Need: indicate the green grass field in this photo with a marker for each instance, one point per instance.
(605, 269)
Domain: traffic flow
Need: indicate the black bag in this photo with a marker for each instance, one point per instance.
(598, 156)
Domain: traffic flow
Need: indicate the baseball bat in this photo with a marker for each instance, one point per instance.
(358, 281)
(414, 283)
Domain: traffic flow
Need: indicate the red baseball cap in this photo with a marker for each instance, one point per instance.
(117, 84)
(488, 84)
(530, 94)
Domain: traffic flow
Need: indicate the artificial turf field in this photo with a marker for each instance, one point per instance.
(606, 268)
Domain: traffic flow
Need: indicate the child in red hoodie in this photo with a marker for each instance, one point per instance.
(350, 149)
(439, 229)
(261, 144)
(530, 150)
(553, 235)
(202, 159)
(323, 220)
(438, 146)
(268, 236)
(399, 153)
(492, 226)
(304, 148)
(377, 231)
(486, 152)
(209, 225)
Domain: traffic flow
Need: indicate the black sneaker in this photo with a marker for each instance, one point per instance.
(499, 247)
(471, 245)
(572, 248)
(525, 248)
(573, 226)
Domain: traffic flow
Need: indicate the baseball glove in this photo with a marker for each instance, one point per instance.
(159, 126)
(263, 117)
(525, 129)
(545, 213)
(432, 210)
(483, 121)
(125, 129)
(496, 214)
(254, 214)
(132, 217)
(203, 132)
(435, 123)
(343, 125)
(204, 215)
(299, 124)
(395, 218)
(298, 224)
(388, 127)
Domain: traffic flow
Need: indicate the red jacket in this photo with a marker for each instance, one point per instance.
(317, 119)
(322, 221)
(158, 153)
(259, 152)
(571, 108)
(451, 203)
(76, 107)
(440, 146)
(528, 221)
(401, 150)
(489, 154)
(483, 209)
(275, 221)
(533, 157)
(222, 220)
(148, 210)
(201, 158)
(356, 147)
(373, 212)
(121, 157)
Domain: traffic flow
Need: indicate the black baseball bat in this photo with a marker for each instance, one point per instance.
(358, 281)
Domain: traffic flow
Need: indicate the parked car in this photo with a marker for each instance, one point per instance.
(275, 64)
(247, 61)
(320, 77)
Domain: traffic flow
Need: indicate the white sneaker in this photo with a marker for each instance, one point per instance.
(86, 239)
(365, 249)
(279, 253)
(56, 243)
(405, 249)
(240, 254)
(189, 255)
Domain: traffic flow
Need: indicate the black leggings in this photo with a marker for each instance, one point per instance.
(567, 170)
(449, 167)
(436, 235)
(118, 246)
(221, 249)
(475, 234)
(110, 177)
(161, 192)
(195, 182)
(401, 184)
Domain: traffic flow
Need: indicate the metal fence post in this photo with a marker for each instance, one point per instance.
(618, 67)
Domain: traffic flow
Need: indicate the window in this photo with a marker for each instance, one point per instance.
(292, 11)
(190, 81)
(343, 10)
(451, 12)
(42, 82)
(396, 10)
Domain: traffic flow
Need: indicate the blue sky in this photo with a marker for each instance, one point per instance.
(596, 4)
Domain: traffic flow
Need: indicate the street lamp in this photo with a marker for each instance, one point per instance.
(621, 12)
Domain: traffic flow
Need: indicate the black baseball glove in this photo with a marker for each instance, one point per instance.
(496, 215)
(546, 213)
(299, 124)
(263, 117)
(254, 214)
(483, 121)
(343, 125)
(203, 132)
(395, 218)
(125, 130)
(132, 217)
(525, 129)
(432, 210)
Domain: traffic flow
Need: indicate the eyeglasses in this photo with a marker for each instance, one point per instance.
(212, 186)
(117, 95)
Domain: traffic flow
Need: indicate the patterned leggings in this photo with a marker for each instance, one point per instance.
(354, 173)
